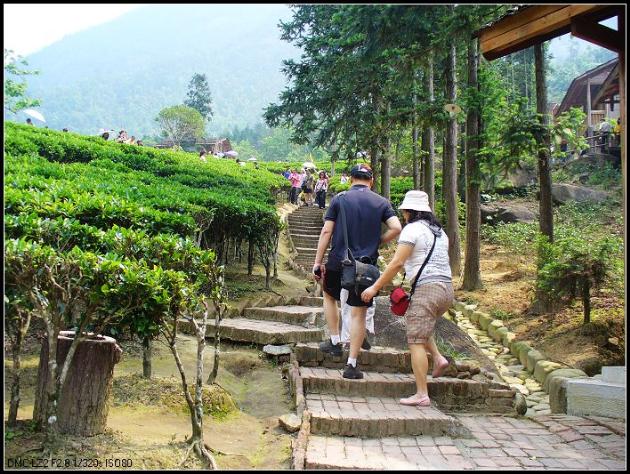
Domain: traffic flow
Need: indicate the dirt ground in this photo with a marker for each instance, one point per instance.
(509, 280)
(148, 421)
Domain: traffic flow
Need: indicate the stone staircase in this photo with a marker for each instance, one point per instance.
(305, 225)
(345, 413)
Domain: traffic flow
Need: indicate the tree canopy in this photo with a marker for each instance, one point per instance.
(180, 123)
(15, 98)
(199, 97)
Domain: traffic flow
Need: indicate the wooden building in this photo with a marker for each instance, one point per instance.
(582, 92)
(216, 145)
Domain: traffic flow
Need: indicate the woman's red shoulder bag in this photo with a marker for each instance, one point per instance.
(399, 298)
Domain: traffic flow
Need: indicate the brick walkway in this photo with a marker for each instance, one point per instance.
(545, 442)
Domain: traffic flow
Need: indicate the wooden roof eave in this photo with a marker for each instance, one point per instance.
(609, 88)
(534, 25)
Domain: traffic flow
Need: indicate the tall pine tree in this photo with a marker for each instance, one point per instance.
(199, 97)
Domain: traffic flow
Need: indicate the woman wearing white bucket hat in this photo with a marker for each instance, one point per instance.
(434, 289)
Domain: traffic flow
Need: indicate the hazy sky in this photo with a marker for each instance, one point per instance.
(29, 28)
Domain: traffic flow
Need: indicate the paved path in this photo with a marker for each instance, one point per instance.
(361, 425)
(543, 442)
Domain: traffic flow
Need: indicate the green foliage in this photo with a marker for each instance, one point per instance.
(501, 314)
(221, 198)
(569, 127)
(199, 97)
(516, 237)
(571, 266)
(180, 124)
(596, 174)
(15, 98)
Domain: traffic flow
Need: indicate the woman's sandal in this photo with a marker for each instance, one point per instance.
(439, 370)
(419, 402)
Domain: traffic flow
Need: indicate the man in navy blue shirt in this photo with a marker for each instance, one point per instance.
(365, 212)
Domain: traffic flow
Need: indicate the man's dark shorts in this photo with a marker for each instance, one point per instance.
(332, 286)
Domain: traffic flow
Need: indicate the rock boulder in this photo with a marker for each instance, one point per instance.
(563, 193)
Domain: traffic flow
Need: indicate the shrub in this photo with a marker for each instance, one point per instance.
(571, 266)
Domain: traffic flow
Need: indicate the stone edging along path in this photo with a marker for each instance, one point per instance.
(542, 382)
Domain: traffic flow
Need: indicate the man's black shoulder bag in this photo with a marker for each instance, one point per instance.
(355, 274)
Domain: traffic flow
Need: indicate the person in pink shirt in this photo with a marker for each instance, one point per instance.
(296, 182)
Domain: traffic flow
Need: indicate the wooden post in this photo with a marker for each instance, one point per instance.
(589, 119)
(83, 403)
(623, 137)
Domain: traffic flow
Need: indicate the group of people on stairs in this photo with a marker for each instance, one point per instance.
(304, 186)
(422, 245)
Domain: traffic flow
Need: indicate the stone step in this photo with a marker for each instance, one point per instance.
(308, 211)
(305, 230)
(388, 453)
(299, 315)
(306, 259)
(375, 417)
(593, 397)
(317, 301)
(306, 218)
(306, 237)
(306, 222)
(447, 393)
(305, 241)
(377, 359)
(294, 228)
(259, 332)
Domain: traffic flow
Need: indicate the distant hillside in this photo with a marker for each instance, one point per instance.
(122, 73)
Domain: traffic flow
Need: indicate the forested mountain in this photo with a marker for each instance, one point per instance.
(571, 57)
(122, 73)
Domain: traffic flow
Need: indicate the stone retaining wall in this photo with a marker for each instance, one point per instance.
(551, 375)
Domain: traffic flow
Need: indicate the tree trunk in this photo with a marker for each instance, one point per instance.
(428, 143)
(417, 183)
(450, 169)
(472, 276)
(544, 142)
(217, 345)
(586, 300)
(23, 323)
(374, 166)
(147, 350)
(250, 258)
(543, 301)
(15, 388)
(461, 164)
(84, 400)
(386, 163)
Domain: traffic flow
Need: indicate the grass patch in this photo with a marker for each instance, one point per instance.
(135, 390)
(501, 314)
(447, 349)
